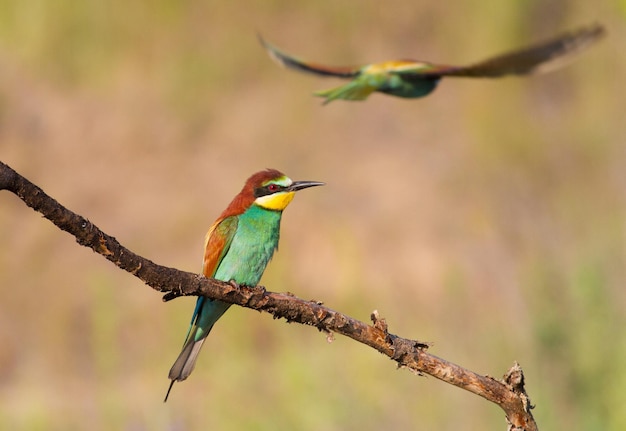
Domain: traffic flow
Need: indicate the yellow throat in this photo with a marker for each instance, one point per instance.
(276, 201)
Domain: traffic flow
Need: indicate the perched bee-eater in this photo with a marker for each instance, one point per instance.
(412, 79)
(238, 247)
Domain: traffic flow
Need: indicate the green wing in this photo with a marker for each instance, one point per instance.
(218, 240)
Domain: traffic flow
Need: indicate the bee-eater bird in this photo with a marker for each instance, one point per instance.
(238, 247)
(412, 79)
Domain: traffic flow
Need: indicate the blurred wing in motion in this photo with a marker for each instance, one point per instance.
(294, 63)
(539, 58)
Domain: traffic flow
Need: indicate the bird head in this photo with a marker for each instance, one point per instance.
(274, 190)
(269, 189)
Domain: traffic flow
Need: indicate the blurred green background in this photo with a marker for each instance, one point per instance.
(488, 218)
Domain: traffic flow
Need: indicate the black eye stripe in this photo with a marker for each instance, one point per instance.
(265, 190)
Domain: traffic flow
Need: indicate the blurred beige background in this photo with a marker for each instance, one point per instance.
(488, 218)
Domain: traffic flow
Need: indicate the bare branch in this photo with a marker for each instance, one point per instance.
(508, 393)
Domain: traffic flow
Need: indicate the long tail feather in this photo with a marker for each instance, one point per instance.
(168, 390)
(186, 361)
(351, 91)
(206, 313)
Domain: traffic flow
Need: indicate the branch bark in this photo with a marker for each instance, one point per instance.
(508, 393)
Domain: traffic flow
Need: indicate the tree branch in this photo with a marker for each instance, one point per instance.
(508, 393)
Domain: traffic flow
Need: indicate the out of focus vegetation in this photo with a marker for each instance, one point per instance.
(489, 218)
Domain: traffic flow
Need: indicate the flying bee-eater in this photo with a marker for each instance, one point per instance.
(412, 79)
(238, 247)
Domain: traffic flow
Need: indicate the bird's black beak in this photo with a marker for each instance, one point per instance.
(299, 185)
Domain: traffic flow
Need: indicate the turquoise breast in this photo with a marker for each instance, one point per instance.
(252, 246)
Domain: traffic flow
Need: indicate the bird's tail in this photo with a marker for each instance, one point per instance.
(353, 90)
(186, 361)
(205, 315)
